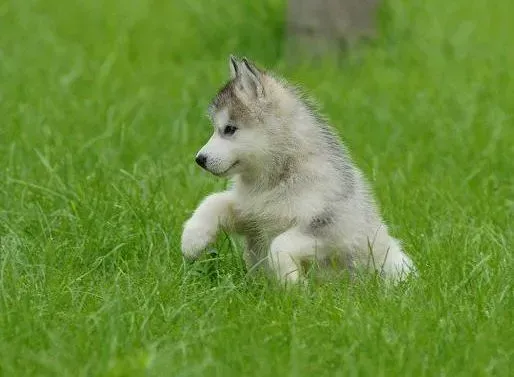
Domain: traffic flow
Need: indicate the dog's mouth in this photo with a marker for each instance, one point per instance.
(225, 173)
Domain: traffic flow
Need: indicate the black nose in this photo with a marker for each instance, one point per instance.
(201, 160)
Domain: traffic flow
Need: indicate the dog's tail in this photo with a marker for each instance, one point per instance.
(397, 265)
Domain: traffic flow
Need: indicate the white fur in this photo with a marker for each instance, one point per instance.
(295, 197)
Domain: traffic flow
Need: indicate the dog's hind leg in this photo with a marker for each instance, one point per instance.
(288, 250)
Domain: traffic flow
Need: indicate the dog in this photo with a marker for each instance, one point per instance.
(295, 195)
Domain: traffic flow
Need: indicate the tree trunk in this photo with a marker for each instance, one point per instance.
(317, 27)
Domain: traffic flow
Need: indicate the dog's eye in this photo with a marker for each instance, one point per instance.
(229, 130)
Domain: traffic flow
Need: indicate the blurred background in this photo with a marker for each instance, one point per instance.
(92, 87)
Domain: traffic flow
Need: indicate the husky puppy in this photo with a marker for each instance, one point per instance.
(296, 196)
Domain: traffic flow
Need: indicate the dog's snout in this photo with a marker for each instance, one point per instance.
(201, 160)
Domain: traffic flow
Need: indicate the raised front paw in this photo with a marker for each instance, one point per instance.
(195, 239)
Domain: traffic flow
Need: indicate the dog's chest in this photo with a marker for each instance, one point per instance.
(264, 214)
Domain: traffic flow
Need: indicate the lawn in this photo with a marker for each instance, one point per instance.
(102, 109)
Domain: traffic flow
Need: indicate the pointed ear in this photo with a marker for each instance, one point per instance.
(251, 79)
(234, 66)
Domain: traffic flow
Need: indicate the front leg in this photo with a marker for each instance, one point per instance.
(201, 229)
(289, 249)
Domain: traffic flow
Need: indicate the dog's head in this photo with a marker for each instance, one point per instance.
(238, 115)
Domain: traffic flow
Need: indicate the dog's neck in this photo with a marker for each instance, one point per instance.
(278, 171)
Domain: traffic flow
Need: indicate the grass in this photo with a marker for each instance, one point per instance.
(102, 110)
